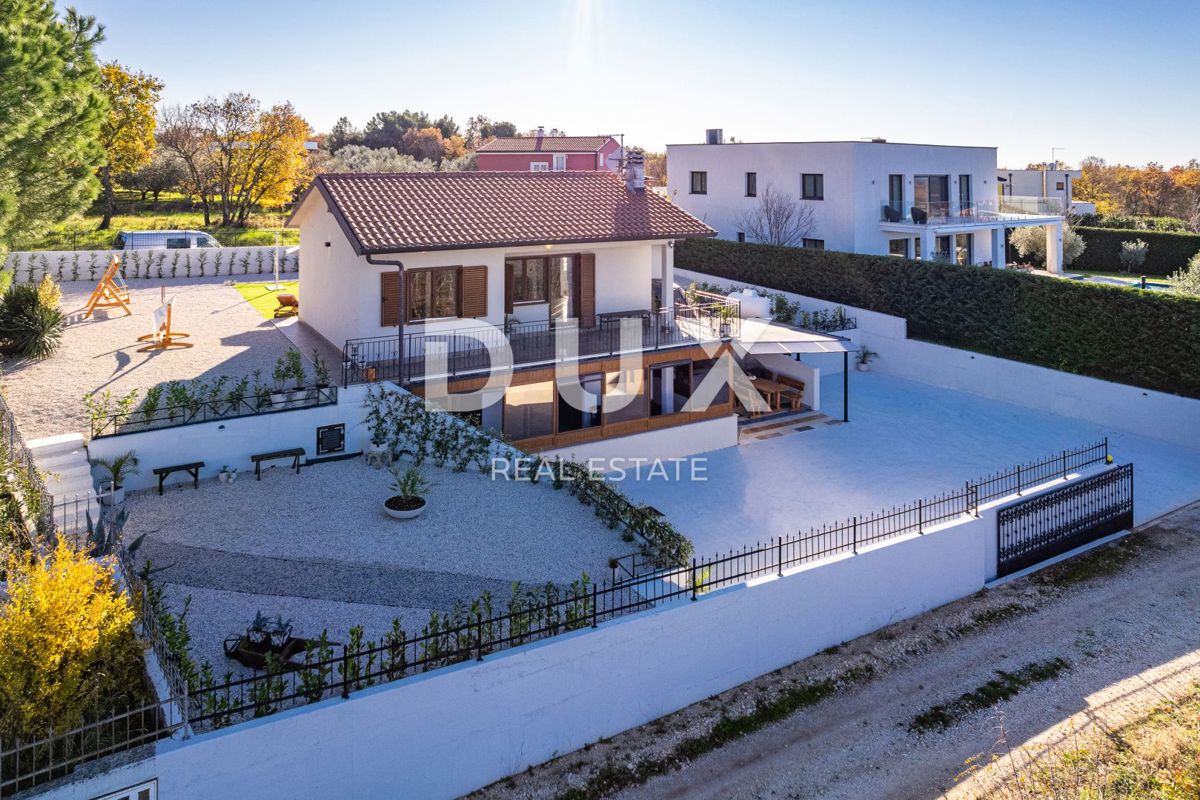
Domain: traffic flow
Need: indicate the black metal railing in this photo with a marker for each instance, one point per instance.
(1023, 476)
(459, 351)
(37, 502)
(198, 410)
(1049, 524)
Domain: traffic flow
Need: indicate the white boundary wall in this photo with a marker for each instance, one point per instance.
(232, 441)
(88, 265)
(1119, 406)
(451, 731)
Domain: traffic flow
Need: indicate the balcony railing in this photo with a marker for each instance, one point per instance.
(464, 351)
(947, 212)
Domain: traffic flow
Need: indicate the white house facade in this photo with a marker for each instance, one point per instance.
(873, 197)
(1053, 182)
(540, 294)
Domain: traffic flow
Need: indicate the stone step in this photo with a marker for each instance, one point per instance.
(50, 446)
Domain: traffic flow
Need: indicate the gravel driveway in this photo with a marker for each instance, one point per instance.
(229, 338)
(1123, 617)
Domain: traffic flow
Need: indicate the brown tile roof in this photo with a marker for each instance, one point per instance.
(414, 211)
(545, 144)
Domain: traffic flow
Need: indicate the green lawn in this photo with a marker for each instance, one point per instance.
(80, 233)
(263, 298)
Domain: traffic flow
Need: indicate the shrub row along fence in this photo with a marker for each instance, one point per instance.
(103, 240)
(222, 408)
(153, 263)
(488, 625)
(1168, 253)
(31, 503)
(1146, 339)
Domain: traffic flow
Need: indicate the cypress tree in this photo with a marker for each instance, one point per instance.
(51, 109)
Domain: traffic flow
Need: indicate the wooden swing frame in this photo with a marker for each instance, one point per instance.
(111, 291)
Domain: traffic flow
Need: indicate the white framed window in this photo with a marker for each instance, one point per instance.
(560, 162)
(539, 166)
(143, 791)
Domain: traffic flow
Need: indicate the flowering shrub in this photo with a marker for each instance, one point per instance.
(67, 643)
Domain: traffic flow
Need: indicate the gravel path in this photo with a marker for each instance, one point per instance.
(319, 579)
(1129, 633)
(474, 526)
(229, 336)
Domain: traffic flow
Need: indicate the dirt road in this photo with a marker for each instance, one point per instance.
(1125, 619)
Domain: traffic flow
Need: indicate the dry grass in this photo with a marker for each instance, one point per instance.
(1155, 756)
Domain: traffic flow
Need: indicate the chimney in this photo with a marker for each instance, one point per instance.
(541, 132)
(635, 171)
(714, 136)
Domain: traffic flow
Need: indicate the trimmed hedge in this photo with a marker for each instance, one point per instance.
(1169, 252)
(1143, 338)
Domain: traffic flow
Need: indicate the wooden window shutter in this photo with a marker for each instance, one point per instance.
(389, 299)
(474, 292)
(508, 287)
(587, 290)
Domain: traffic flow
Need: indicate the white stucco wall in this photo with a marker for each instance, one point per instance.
(1159, 415)
(232, 442)
(239, 263)
(448, 732)
(856, 183)
(341, 290)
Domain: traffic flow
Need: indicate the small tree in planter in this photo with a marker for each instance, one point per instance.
(865, 356)
(1133, 254)
(268, 632)
(409, 487)
(117, 470)
(281, 373)
(320, 371)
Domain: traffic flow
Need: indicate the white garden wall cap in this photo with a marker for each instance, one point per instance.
(763, 336)
(429, 211)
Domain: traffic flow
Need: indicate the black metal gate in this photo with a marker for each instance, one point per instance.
(1044, 526)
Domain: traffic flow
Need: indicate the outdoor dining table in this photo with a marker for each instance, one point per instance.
(769, 389)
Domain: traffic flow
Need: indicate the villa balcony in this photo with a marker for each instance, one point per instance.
(992, 210)
(462, 351)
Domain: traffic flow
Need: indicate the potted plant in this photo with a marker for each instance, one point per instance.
(320, 371)
(295, 368)
(376, 454)
(227, 474)
(409, 486)
(268, 633)
(725, 314)
(117, 469)
(865, 356)
(279, 396)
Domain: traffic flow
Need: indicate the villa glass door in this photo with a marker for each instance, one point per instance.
(932, 194)
(562, 278)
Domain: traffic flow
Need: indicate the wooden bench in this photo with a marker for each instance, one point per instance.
(294, 453)
(192, 469)
(793, 390)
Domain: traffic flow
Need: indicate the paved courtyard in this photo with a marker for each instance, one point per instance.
(317, 547)
(230, 338)
(905, 440)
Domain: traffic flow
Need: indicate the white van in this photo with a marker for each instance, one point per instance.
(171, 240)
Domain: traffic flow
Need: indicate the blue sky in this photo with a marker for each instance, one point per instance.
(1114, 79)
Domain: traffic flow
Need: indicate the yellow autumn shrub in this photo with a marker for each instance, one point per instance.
(67, 644)
(49, 293)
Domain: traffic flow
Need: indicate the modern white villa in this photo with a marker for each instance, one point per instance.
(541, 294)
(1053, 182)
(875, 197)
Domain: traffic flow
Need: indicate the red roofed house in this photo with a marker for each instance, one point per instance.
(396, 265)
(549, 154)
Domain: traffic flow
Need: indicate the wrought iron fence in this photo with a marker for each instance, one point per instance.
(38, 503)
(1023, 476)
(329, 669)
(1049, 524)
(106, 730)
(198, 410)
(459, 351)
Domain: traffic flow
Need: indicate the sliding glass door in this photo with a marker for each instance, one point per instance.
(932, 194)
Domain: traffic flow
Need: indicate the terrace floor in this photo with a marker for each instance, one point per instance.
(904, 441)
(317, 547)
(230, 338)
